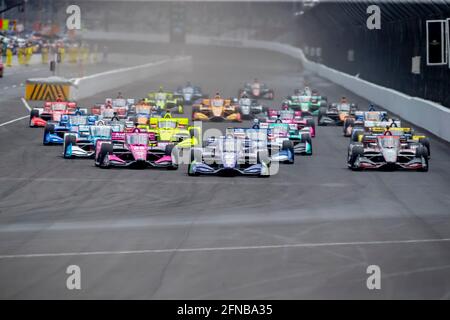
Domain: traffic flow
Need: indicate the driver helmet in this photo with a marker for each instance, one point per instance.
(108, 105)
(59, 98)
(371, 107)
(161, 89)
(217, 95)
(91, 120)
(244, 95)
(343, 100)
(119, 95)
(64, 119)
(255, 123)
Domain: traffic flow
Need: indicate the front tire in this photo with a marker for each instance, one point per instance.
(106, 149)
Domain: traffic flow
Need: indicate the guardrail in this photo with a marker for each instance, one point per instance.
(423, 113)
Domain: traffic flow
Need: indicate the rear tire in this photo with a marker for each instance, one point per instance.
(307, 138)
(426, 143)
(347, 123)
(68, 140)
(288, 145)
(322, 113)
(311, 123)
(33, 113)
(423, 152)
(49, 129)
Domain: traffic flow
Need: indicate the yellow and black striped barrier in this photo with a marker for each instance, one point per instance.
(47, 89)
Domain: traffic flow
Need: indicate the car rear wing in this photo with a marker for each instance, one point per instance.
(382, 124)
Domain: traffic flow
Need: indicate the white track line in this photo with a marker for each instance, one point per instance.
(216, 249)
(11, 121)
(25, 103)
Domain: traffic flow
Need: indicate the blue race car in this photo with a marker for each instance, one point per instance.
(83, 146)
(54, 132)
(189, 93)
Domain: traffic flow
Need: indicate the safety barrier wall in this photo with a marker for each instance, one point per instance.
(423, 113)
(93, 84)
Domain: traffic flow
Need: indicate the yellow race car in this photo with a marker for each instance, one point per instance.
(170, 130)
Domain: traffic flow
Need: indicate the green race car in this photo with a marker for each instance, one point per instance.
(305, 103)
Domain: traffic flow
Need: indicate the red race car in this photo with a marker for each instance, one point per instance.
(52, 111)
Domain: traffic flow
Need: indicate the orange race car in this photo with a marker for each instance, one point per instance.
(216, 109)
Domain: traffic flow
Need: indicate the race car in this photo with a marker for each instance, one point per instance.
(304, 103)
(366, 120)
(216, 109)
(134, 152)
(76, 145)
(54, 132)
(299, 139)
(249, 108)
(121, 108)
(174, 131)
(143, 113)
(52, 112)
(407, 134)
(257, 90)
(229, 156)
(189, 93)
(278, 147)
(164, 100)
(362, 119)
(387, 151)
(336, 113)
(291, 116)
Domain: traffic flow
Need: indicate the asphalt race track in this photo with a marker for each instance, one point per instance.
(308, 232)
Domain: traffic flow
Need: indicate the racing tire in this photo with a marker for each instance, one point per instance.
(356, 152)
(422, 152)
(33, 113)
(322, 113)
(356, 135)
(426, 143)
(307, 138)
(263, 157)
(347, 123)
(105, 149)
(170, 150)
(194, 134)
(289, 145)
(68, 139)
(49, 129)
(312, 124)
(195, 155)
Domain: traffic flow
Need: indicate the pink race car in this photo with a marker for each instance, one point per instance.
(134, 152)
(290, 116)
